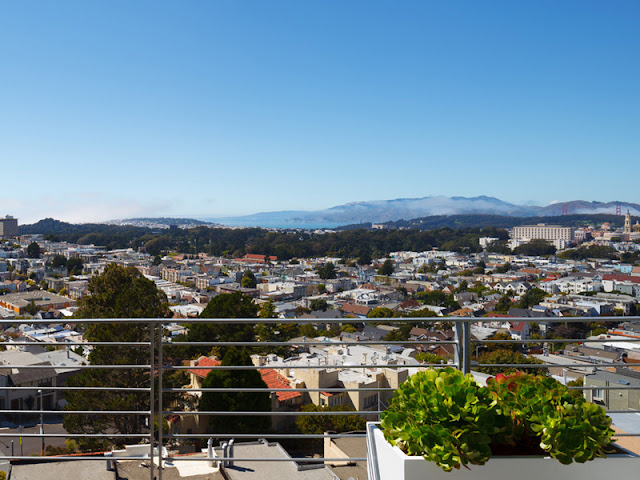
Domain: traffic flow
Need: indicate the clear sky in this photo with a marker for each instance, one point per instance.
(115, 109)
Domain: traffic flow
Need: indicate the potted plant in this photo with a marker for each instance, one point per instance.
(440, 420)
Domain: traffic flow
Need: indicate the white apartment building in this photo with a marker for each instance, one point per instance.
(543, 232)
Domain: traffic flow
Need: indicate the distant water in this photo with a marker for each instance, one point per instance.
(233, 222)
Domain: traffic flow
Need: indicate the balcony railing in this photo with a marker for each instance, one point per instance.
(159, 446)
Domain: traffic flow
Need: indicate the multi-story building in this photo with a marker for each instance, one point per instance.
(8, 227)
(543, 232)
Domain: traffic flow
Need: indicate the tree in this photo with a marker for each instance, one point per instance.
(33, 250)
(531, 298)
(381, 312)
(426, 357)
(75, 266)
(318, 304)
(31, 308)
(317, 424)
(231, 305)
(491, 347)
(248, 279)
(504, 268)
(506, 357)
(268, 310)
(503, 305)
(387, 267)
(499, 246)
(364, 258)
(119, 292)
(236, 401)
(59, 261)
(535, 247)
(327, 271)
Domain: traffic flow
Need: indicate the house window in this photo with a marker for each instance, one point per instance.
(597, 395)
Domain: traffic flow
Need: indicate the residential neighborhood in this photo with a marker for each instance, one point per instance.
(352, 310)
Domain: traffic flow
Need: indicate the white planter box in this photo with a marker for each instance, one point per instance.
(386, 462)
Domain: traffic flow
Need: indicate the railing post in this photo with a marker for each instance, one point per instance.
(152, 400)
(160, 406)
(463, 346)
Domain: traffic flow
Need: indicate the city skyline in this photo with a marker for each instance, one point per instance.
(130, 109)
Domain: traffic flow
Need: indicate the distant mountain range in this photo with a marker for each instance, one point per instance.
(383, 211)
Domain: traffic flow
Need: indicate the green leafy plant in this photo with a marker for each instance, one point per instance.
(544, 413)
(444, 416)
(449, 419)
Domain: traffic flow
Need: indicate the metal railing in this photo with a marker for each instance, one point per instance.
(463, 345)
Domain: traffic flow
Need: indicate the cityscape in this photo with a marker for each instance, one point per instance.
(319, 240)
(545, 273)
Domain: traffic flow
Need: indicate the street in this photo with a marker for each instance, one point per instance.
(30, 445)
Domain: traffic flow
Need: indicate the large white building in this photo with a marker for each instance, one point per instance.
(559, 236)
(544, 232)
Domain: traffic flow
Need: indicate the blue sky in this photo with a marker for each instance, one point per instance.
(114, 109)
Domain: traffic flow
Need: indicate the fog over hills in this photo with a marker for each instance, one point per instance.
(408, 208)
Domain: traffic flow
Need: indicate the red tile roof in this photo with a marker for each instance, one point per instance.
(621, 278)
(517, 326)
(357, 309)
(274, 380)
(204, 362)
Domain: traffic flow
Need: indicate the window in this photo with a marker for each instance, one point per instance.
(597, 395)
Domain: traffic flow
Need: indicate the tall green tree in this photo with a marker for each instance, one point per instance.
(310, 424)
(318, 304)
(33, 250)
(506, 357)
(236, 401)
(248, 280)
(231, 305)
(75, 266)
(327, 271)
(118, 292)
(59, 261)
(387, 267)
(535, 247)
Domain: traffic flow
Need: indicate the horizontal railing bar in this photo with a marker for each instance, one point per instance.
(592, 387)
(79, 412)
(74, 367)
(263, 435)
(102, 389)
(269, 413)
(622, 411)
(542, 365)
(562, 340)
(353, 343)
(189, 321)
(185, 458)
(262, 459)
(76, 435)
(328, 390)
(265, 367)
(79, 344)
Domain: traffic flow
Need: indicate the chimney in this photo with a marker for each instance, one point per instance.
(210, 452)
(225, 453)
(230, 462)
